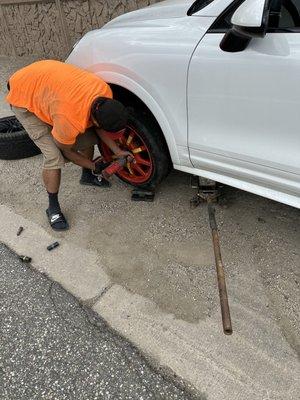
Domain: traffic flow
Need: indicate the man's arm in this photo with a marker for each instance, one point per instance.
(105, 137)
(74, 156)
(64, 132)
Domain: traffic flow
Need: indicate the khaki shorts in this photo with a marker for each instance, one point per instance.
(40, 133)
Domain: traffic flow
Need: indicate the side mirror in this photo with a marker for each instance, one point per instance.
(250, 20)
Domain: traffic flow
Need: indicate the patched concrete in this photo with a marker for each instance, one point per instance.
(255, 362)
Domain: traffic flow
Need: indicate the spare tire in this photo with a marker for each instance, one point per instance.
(14, 140)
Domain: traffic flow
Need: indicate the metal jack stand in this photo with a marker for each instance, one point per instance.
(208, 192)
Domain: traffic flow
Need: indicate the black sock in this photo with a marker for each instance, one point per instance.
(54, 207)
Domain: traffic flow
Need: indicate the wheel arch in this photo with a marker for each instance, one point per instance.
(133, 95)
(130, 100)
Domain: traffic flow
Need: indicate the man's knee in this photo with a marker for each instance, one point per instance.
(53, 157)
(53, 160)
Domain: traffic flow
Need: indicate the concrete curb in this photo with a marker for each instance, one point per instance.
(77, 269)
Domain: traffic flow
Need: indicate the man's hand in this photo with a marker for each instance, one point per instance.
(106, 138)
(74, 156)
(100, 165)
(123, 153)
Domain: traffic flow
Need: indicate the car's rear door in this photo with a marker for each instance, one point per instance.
(244, 108)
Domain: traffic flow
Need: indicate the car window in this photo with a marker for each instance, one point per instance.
(198, 5)
(289, 15)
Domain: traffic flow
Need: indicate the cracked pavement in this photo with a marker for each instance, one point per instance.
(52, 347)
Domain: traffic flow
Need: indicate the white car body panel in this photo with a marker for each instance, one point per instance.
(157, 74)
(240, 184)
(165, 57)
(166, 9)
(224, 135)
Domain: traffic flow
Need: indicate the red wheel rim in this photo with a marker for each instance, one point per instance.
(137, 172)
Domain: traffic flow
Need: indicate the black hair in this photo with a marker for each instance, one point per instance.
(110, 114)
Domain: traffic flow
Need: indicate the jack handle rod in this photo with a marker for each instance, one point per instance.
(225, 311)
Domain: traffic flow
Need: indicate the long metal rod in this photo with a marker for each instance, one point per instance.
(227, 327)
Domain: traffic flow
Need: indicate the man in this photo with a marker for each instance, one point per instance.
(66, 111)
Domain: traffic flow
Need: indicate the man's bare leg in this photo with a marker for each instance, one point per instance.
(52, 178)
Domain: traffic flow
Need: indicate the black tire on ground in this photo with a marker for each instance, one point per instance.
(155, 142)
(14, 140)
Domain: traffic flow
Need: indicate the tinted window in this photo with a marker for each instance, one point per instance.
(290, 14)
(198, 5)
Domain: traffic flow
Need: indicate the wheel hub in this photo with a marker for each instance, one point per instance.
(137, 172)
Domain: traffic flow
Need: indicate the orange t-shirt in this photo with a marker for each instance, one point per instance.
(59, 94)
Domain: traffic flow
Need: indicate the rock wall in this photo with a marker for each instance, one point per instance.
(49, 28)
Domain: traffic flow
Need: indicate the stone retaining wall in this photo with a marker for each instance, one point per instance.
(49, 28)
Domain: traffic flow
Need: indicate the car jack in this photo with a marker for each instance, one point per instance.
(209, 192)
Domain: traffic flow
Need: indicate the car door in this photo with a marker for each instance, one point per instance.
(244, 107)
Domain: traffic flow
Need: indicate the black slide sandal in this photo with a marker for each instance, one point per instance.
(95, 181)
(57, 221)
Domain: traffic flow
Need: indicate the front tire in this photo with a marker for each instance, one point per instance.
(144, 139)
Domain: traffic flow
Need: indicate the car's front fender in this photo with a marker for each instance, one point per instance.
(120, 79)
(150, 59)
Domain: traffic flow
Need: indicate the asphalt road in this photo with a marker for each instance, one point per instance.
(53, 348)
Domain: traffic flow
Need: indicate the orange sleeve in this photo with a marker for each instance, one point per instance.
(63, 131)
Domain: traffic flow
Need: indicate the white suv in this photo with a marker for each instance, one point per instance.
(214, 90)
